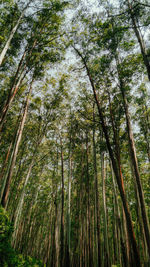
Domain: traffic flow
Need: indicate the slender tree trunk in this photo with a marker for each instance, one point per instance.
(13, 31)
(49, 252)
(135, 166)
(16, 84)
(106, 246)
(53, 257)
(96, 195)
(15, 184)
(142, 238)
(62, 208)
(20, 204)
(15, 152)
(7, 45)
(116, 240)
(57, 236)
(146, 128)
(124, 248)
(82, 206)
(68, 215)
(12, 92)
(90, 256)
(140, 39)
(5, 162)
(117, 172)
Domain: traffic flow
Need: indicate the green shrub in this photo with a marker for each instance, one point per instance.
(8, 256)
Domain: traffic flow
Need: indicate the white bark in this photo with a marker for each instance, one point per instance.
(7, 45)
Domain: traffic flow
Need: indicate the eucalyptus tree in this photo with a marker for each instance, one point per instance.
(40, 48)
(7, 180)
(114, 163)
(63, 157)
(125, 76)
(96, 190)
(33, 59)
(136, 11)
(141, 101)
(135, 165)
(45, 119)
(12, 33)
(134, 15)
(86, 59)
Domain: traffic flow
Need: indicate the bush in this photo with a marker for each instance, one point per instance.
(8, 256)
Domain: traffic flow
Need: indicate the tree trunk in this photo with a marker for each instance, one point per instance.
(142, 238)
(96, 195)
(68, 215)
(124, 247)
(7, 45)
(62, 208)
(140, 39)
(5, 162)
(135, 166)
(16, 84)
(117, 172)
(12, 92)
(106, 246)
(15, 152)
(20, 204)
(146, 128)
(90, 256)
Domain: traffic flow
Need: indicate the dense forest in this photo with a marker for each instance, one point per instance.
(74, 133)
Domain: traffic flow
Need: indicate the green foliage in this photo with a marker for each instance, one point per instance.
(109, 49)
(8, 257)
(5, 233)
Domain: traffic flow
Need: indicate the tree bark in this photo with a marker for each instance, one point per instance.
(96, 195)
(15, 151)
(89, 250)
(124, 248)
(12, 92)
(106, 246)
(20, 204)
(117, 172)
(5, 162)
(7, 45)
(62, 208)
(135, 166)
(16, 84)
(140, 39)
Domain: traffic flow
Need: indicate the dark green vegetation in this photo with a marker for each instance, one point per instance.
(8, 257)
(75, 133)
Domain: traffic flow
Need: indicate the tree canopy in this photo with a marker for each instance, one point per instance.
(75, 133)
